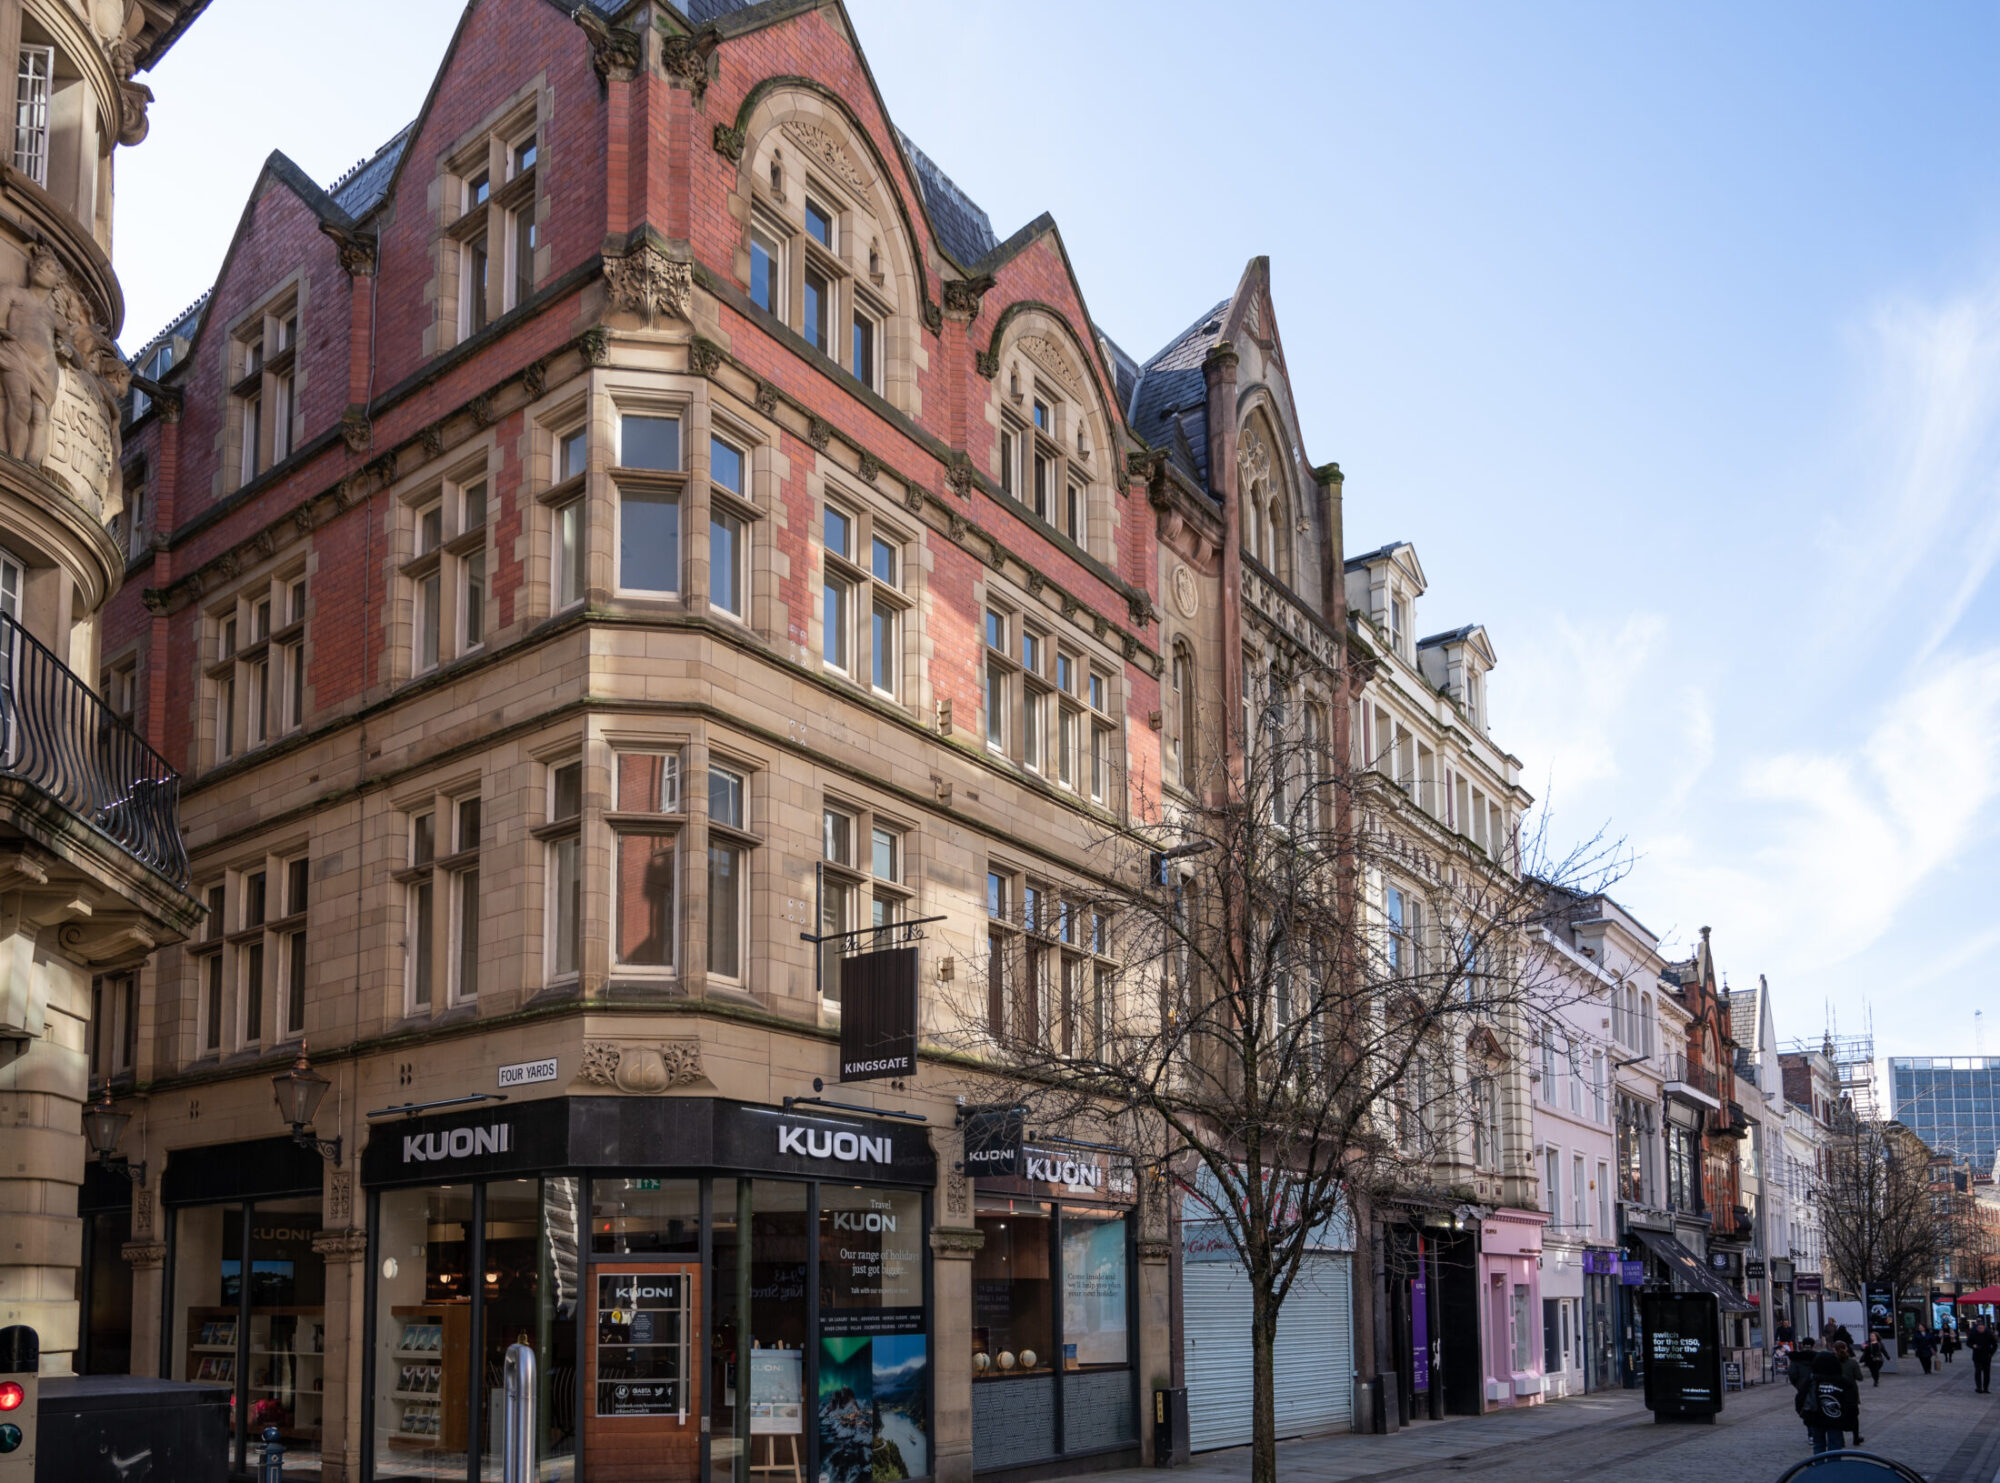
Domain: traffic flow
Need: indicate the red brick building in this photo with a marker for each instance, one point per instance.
(641, 515)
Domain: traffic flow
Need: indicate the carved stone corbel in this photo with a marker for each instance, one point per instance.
(819, 432)
(685, 59)
(355, 430)
(535, 376)
(615, 53)
(133, 98)
(959, 475)
(357, 250)
(704, 356)
(433, 437)
(595, 345)
(986, 363)
(956, 1244)
(482, 410)
(171, 403)
(646, 281)
(1140, 607)
(729, 142)
(963, 296)
(767, 398)
(144, 1256)
(870, 466)
(642, 1068)
(343, 1245)
(913, 499)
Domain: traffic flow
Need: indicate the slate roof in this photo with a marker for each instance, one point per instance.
(1445, 638)
(361, 189)
(1123, 368)
(962, 225)
(1364, 557)
(183, 327)
(701, 12)
(1169, 399)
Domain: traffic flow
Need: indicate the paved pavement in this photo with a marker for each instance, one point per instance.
(1935, 1424)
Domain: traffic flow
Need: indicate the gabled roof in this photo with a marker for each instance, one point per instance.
(1169, 399)
(182, 327)
(1473, 634)
(1402, 553)
(962, 224)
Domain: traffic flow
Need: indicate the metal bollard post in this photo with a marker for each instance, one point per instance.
(517, 1446)
(272, 1468)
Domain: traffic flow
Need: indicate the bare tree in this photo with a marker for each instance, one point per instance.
(1879, 1215)
(1273, 1045)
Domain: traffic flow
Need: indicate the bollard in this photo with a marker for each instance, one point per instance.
(272, 1468)
(517, 1445)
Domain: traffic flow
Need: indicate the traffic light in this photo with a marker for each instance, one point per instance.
(20, 1359)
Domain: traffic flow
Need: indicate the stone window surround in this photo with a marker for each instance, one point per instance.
(1018, 442)
(489, 147)
(870, 517)
(273, 378)
(239, 944)
(442, 868)
(231, 676)
(856, 875)
(451, 561)
(1097, 727)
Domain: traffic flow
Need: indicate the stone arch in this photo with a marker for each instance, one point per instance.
(794, 132)
(1265, 495)
(1035, 355)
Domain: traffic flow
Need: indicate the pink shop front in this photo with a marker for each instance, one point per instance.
(1510, 1256)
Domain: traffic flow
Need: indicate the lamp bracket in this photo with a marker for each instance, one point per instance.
(326, 1148)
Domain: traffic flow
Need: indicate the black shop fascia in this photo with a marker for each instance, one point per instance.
(710, 1284)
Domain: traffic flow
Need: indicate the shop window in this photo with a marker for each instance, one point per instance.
(1013, 1295)
(872, 1334)
(645, 1217)
(423, 1312)
(265, 1338)
(759, 1242)
(1094, 1323)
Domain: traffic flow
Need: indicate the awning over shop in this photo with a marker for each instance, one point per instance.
(1984, 1295)
(1691, 1274)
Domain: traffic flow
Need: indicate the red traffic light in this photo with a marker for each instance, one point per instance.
(11, 1396)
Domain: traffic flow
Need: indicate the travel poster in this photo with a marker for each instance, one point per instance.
(874, 1416)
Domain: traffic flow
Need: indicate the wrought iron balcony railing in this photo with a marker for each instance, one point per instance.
(59, 738)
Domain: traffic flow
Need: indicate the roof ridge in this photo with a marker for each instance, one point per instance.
(168, 328)
(366, 160)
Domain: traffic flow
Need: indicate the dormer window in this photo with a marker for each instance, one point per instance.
(495, 233)
(1475, 698)
(1399, 625)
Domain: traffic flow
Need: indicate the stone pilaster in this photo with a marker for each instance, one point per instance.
(147, 1259)
(952, 1251)
(345, 1252)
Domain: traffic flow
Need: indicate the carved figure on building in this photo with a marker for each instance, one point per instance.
(34, 334)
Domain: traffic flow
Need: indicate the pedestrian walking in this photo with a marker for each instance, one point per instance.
(1841, 1335)
(1850, 1371)
(1874, 1356)
(1925, 1344)
(1948, 1340)
(1982, 1344)
(1800, 1367)
(1828, 1403)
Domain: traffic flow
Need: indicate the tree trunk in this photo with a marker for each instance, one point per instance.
(1264, 1388)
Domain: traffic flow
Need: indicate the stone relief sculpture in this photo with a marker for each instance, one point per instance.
(47, 338)
(33, 332)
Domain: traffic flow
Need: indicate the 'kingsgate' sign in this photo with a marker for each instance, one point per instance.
(459, 1143)
(825, 1143)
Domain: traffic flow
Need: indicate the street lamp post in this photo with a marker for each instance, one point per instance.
(299, 1091)
(103, 1127)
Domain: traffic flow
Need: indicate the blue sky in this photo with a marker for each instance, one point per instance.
(1670, 335)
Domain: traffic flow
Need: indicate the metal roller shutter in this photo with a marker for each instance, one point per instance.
(1314, 1362)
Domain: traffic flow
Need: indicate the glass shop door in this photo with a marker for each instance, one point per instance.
(641, 1383)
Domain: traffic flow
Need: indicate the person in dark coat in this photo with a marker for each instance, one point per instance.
(1842, 1336)
(1873, 1357)
(1801, 1364)
(1982, 1344)
(1948, 1340)
(1925, 1345)
(1850, 1371)
(1828, 1404)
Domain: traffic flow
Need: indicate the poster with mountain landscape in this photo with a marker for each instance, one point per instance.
(874, 1415)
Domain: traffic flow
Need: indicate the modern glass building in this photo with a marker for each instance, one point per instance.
(1951, 1102)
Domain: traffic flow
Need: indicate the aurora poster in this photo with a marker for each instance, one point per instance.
(874, 1421)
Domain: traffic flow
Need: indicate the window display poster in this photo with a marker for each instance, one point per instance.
(874, 1415)
(777, 1401)
(1094, 1292)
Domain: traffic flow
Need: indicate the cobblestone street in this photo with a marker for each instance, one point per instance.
(1935, 1424)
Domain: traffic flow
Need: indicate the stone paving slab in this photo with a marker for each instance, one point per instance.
(1934, 1423)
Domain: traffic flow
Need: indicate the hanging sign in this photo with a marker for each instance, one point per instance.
(878, 1014)
(993, 1142)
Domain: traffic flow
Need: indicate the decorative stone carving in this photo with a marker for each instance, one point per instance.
(960, 476)
(767, 398)
(382, 469)
(1099, 625)
(729, 142)
(1140, 606)
(1052, 358)
(342, 1245)
(996, 554)
(30, 369)
(1130, 646)
(827, 150)
(955, 1192)
(1155, 1253)
(433, 437)
(595, 345)
(869, 466)
(957, 526)
(647, 281)
(357, 250)
(1069, 605)
(956, 1243)
(133, 99)
(642, 1068)
(703, 356)
(535, 376)
(933, 317)
(614, 52)
(264, 543)
(170, 402)
(963, 296)
(819, 432)
(482, 410)
(986, 363)
(913, 499)
(355, 430)
(685, 59)
(340, 1197)
(144, 1256)
(349, 492)
(142, 1214)
(230, 564)
(1187, 593)
(305, 517)
(1036, 582)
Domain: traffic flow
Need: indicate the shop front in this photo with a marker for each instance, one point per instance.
(713, 1290)
(1510, 1249)
(245, 1290)
(1055, 1314)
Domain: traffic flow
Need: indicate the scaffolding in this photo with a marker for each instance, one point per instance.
(1853, 1058)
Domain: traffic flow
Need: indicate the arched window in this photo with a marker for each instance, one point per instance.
(1184, 713)
(1051, 430)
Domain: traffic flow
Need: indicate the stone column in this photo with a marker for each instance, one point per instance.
(344, 1249)
(43, 1082)
(952, 1248)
